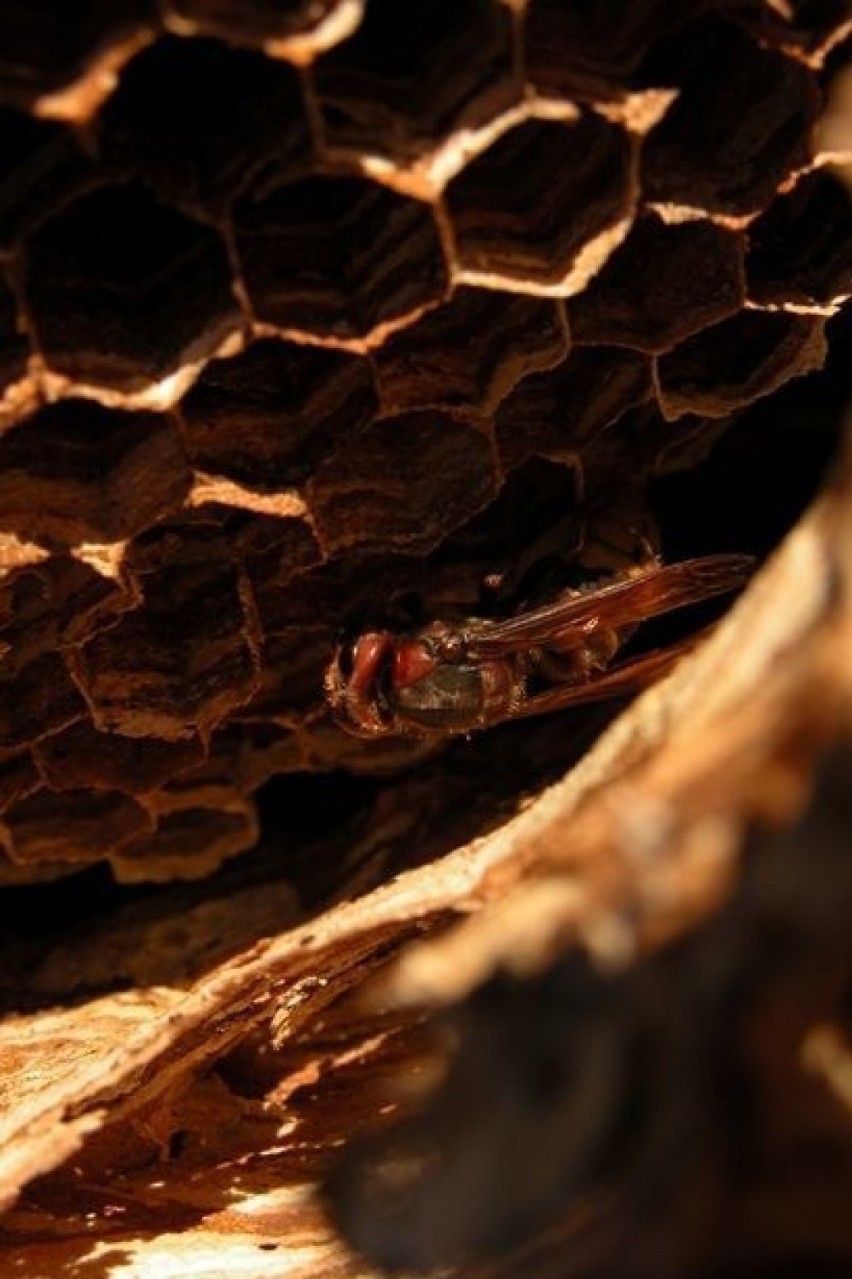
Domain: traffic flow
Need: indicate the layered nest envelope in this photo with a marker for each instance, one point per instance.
(315, 317)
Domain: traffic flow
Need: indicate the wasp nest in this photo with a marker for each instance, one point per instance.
(319, 314)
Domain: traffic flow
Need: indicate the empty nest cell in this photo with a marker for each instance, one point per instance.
(294, 663)
(122, 288)
(410, 74)
(739, 124)
(337, 257)
(800, 249)
(759, 351)
(80, 757)
(469, 352)
(89, 825)
(523, 211)
(52, 603)
(662, 284)
(268, 416)
(182, 661)
(590, 52)
(196, 119)
(555, 414)
(189, 842)
(402, 483)
(76, 472)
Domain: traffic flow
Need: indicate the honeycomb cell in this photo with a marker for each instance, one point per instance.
(77, 472)
(274, 552)
(51, 603)
(410, 74)
(81, 758)
(43, 166)
(123, 289)
(294, 662)
(266, 417)
(402, 483)
(39, 699)
(14, 348)
(468, 353)
(80, 826)
(45, 44)
(662, 284)
(337, 257)
(556, 414)
(281, 547)
(544, 205)
(759, 351)
(800, 250)
(738, 127)
(588, 51)
(196, 119)
(182, 661)
(266, 22)
(191, 840)
(513, 545)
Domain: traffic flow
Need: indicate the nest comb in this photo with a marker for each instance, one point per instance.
(299, 302)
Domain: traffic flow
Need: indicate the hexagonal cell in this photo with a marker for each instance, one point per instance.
(758, 350)
(273, 552)
(738, 126)
(77, 472)
(513, 546)
(800, 250)
(294, 662)
(190, 841)
(196, 119)
(37, 700)
(411, 74)
(402, 484)
(267, 417)
(43, 165)
(79, 826)
(279, 546)
(468, 353)
(663, 283)
(14, 347)
(587, 52)
(269, 21)
(79, 757)
(555, 414)
(45, 44)
(528, 211)
(122, 288)
(49, 604)
(182, 661)
(337, 257)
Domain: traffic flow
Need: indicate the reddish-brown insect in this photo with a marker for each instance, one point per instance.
(447, 679)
